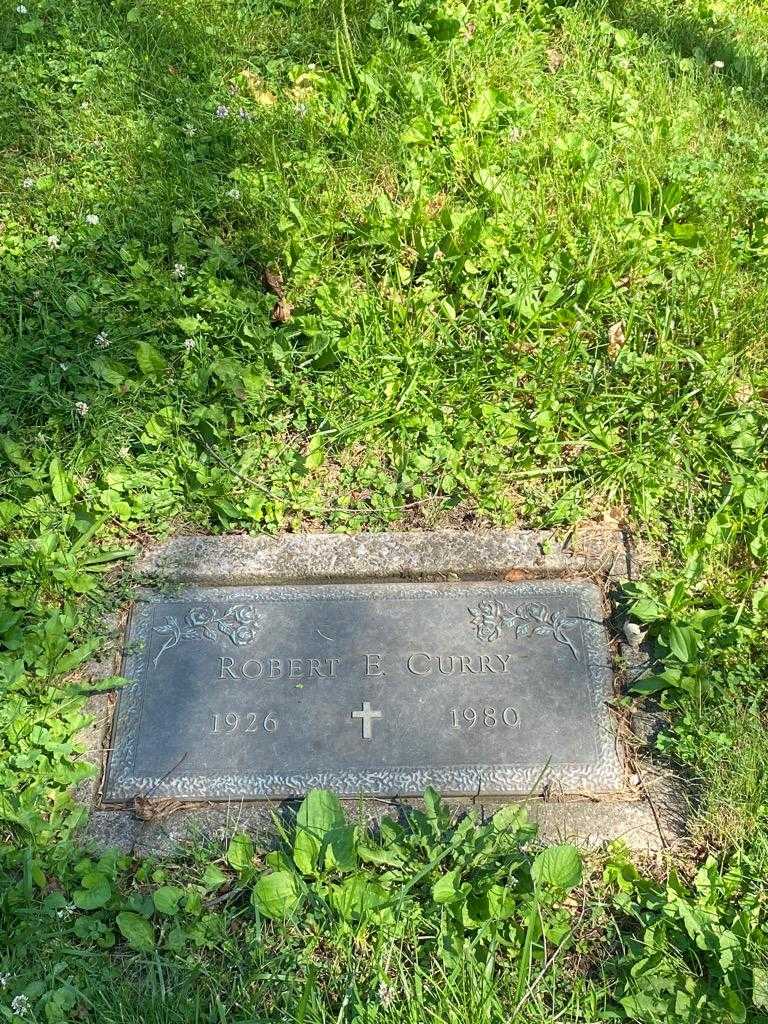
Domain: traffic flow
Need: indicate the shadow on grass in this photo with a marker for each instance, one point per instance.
(692, 35)
(165, 199)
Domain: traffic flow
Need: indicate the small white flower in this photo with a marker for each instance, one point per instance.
(81, 408)
(54, 242)
(28, 183)
(92, 219)
(515, 134)
(5, 977)
(222, 111)
(21, 9)
(243, 114)
(719, 64)
(179, 271)
(301, 109)
(101, 340)
(234, 193)
(63, 367)
(190, 130)
(20, 1005)
(386, 994)
(189, 344)
(125, 452)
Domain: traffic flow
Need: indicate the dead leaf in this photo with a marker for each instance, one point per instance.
(743, 392)
(436, 204)
(255, 87)
(251, 79)
(172, 70)
(282, 311)
(515, 575)
(555, 60)
(273, 282)
(146, 809)
(303, 87)
(616, 339)
(635, 634)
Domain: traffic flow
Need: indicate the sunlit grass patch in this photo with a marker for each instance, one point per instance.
(523, 249)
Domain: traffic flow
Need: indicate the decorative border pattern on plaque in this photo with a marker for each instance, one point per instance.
(602, 775)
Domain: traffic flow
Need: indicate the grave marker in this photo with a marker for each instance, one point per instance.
(365, 688)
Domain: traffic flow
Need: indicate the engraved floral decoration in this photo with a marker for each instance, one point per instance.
(203, 622)
(527, 620)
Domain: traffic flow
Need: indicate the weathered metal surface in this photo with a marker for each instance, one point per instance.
(366, 688)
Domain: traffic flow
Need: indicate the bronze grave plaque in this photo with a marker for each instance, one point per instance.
(368, 688)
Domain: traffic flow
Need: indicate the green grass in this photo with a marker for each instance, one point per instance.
(525, 246)
(458, 229)
(436, 921)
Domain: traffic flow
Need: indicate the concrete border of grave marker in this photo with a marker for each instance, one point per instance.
(648, 815)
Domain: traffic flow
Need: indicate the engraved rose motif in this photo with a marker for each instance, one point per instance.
(539, 612)
(533, 619)
(246, 613)
(488, 617)
(240, 623)
(243, 635)
(200, 616)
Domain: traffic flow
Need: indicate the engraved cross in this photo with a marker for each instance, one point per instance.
(367, 716)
